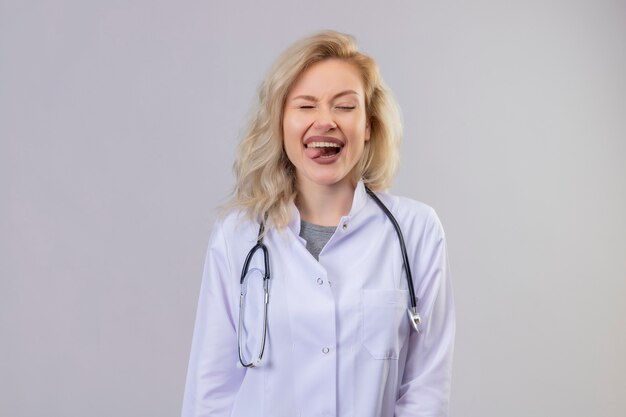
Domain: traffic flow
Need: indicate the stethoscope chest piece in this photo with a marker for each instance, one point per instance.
(414, 318)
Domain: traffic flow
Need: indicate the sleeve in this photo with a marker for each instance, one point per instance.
(213, 379)
(425, 386)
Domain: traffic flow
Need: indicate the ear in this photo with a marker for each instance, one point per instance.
(368, 130)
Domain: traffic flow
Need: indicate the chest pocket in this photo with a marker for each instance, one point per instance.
(385, 323)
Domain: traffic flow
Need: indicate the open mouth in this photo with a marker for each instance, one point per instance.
(322, 149)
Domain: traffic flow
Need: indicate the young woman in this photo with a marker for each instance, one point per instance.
(356, 320)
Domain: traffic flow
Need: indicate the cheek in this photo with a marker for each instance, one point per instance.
(291, 128)
(295, 123)
(291, 136)
(356, 124)
(368, 131)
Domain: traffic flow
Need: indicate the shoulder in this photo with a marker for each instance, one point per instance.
(416, 217)
(233, 226)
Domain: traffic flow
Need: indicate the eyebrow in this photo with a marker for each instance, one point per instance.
(313, 98)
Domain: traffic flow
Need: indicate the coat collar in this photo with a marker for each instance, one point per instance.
(358, 202)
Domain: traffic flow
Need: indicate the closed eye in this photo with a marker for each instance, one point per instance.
(307, 107)
(346, 107)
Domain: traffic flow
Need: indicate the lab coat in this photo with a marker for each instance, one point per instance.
(339, 342)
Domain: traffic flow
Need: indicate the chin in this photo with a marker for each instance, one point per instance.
(329, 181)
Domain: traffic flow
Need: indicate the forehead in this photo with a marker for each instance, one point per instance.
(328, 77)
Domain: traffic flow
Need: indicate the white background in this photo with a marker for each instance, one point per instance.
(118, 124)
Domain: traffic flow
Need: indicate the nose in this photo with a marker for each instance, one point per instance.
(324, 120)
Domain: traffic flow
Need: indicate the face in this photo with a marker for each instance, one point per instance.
(325, 125)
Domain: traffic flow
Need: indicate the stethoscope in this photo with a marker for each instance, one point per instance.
(414, 317)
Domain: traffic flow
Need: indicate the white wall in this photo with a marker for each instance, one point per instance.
(118, 123)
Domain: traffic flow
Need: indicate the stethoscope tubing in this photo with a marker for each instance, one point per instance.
(266, 297)
(413, 315)
(405, 256)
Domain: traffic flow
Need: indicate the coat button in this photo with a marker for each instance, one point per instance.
(320, 281)
(325, 350)
(345, 226)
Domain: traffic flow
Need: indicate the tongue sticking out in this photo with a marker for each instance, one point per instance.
(314, 153)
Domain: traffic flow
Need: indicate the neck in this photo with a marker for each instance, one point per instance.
(325, 205)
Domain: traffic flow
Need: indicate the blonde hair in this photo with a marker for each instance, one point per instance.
(265, 178)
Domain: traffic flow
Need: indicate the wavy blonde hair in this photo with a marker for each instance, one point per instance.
(265, 178)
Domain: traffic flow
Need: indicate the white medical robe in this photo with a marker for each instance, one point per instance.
(339, 342)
